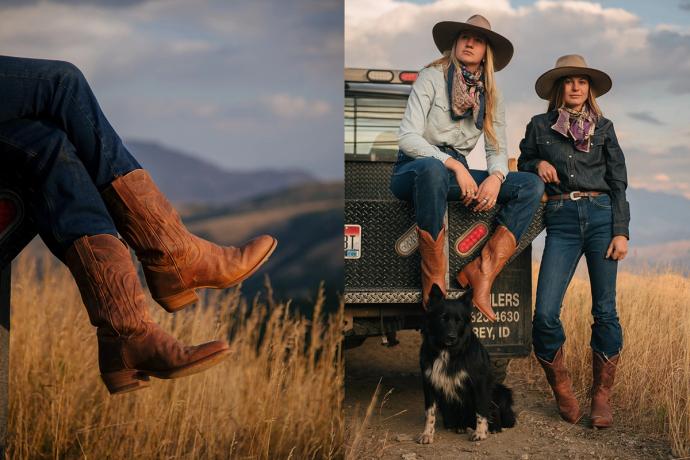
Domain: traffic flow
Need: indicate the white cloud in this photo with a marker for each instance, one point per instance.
(294, 107)
(649, 65)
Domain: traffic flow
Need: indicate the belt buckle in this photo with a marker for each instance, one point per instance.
(573, 197)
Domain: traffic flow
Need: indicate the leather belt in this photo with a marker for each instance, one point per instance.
(573, 196)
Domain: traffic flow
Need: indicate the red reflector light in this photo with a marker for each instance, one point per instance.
(469, 240)
(408, 77)
(383, 76)
(8, 213)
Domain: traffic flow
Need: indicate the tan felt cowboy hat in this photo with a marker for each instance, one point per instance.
(446, 32)
(571, 65)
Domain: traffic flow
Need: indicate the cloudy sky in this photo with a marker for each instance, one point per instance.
(244, 84)
(644, 46)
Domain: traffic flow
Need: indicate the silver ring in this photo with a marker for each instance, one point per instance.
(485, 200)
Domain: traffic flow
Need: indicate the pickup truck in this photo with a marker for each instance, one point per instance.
(382, 266)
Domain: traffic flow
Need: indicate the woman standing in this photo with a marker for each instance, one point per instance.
(574, 150)
(453, 101)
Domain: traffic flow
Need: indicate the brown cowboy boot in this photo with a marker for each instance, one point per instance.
(482, 271)
(603, 373)
(131, 347)
(562, 387)
(175, 261)
(434, 262)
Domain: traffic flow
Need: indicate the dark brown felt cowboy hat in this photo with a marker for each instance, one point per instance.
(570, 65)
(446, 32)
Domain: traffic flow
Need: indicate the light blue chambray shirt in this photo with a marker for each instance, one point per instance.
(427, 123)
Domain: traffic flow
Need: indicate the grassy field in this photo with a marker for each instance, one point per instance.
(269, 402)
(270, 399)
(652, 388)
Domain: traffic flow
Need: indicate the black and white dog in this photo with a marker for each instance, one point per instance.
(458, 381)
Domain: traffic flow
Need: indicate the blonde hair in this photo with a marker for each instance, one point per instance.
(556, 97)
(490, 92)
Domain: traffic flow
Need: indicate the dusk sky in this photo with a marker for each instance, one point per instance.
(243, 84)
(644, 47)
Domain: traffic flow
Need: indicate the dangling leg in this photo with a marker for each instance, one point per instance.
(57, 90)
(424, 181)
(175, 261)
(74, 222)
(519, 197)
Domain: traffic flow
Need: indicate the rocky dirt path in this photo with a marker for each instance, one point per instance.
(398, 418)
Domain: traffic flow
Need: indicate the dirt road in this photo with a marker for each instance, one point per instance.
(399, 416)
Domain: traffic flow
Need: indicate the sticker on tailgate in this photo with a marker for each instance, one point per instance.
(353, 241)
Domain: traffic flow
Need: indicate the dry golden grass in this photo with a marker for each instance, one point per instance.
(652, 387)
(270, 399)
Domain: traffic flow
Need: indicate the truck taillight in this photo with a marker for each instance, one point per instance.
(408, 77)
(8, 213)
(471, 238)
(380, 76)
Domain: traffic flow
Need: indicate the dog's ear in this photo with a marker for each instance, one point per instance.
(435, 293)
(435, 296)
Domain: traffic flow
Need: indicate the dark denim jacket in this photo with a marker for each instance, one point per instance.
(602, 169)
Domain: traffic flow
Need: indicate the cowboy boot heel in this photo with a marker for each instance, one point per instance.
(125, 380)
(176, 302)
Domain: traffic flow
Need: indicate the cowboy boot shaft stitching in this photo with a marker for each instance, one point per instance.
(138, 195)
(92, 292)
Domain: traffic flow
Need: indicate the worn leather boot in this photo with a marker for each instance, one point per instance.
(482, 271)
(434, 262)
(175, 261)
(603, 373)
(562, 387)
(131, 347)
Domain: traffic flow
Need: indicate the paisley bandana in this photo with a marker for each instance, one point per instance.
(578, 125)
(466, 94)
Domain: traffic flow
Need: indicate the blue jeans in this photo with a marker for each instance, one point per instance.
(574, 228)
(430, 185)
(53, 132)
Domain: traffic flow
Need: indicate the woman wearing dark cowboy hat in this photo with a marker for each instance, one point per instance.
(453, 101)
(574, 150)
(86, 188)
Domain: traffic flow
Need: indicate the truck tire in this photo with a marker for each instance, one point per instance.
(499, 366)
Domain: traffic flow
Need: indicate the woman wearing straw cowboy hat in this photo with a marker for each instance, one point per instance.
(453, 101)
(574, 150)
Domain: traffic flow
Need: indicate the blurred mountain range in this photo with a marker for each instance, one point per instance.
(188, 179)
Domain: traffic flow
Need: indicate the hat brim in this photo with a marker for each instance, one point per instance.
(446, 32)
(601, 82)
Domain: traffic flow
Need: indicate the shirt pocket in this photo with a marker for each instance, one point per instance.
(597, 143)
(554, 148)
(439, 116)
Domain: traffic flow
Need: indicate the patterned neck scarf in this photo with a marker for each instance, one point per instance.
(578, 125)
(466, 94)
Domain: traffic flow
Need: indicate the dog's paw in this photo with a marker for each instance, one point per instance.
(477, 435)
(426, 438)
(461, 430)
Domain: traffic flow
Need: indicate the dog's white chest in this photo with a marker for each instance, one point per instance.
(449, 384)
